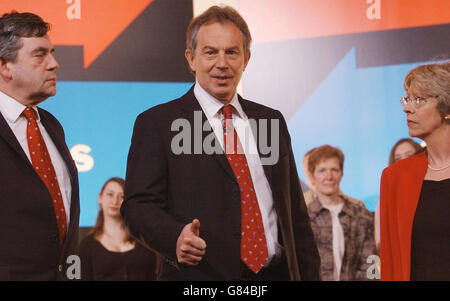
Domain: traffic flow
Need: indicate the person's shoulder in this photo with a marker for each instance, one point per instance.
(309, 197)
(162, 110)
(44, 114)
(87, 243)
(353, 201)
(312, 205)
(405, 166)
(144, 250)
(255, 106)
(167, 106)
(362, 211)
(358, 207)
(50, 121)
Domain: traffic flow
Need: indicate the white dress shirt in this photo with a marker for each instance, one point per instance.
(212, 109)
(12, 112)
(338, 238)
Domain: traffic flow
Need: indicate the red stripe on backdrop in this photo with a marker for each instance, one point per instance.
(277, 20)
(95, 24)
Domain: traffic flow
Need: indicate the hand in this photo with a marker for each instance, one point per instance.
(190, 247)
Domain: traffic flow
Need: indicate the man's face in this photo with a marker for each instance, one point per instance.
(219, 59)
(33, 77)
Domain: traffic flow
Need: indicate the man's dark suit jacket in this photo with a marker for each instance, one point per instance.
(29, 241)
(164, 192)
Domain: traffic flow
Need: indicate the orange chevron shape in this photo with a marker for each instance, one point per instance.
(271, 20)
(100, 22)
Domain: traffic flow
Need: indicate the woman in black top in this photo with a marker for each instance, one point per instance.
(430, 241)
(415, 192)
(109, 252)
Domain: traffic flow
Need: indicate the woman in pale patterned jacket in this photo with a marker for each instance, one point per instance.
(342, 226)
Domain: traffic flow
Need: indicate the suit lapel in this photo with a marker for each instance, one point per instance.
(60, 144)
(7, 134)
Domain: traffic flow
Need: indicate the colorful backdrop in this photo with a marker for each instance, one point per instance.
(334, 68)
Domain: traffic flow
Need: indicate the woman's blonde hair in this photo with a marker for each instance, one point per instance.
(432, 80)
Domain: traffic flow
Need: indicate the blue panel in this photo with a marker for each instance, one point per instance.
(101, 115)
(357, 110)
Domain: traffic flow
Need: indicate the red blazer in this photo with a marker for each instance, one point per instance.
(401, 184)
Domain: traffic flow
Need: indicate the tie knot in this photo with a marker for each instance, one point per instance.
(29, 114)
(227, 111)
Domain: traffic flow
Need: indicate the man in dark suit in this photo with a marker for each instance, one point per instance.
(39, 201)
(238, 215)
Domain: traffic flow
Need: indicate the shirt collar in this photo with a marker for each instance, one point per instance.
(12, 110)
(316, 207)
(212, 106)
(347, 209)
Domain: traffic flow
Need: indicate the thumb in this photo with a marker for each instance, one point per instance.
(195, 227)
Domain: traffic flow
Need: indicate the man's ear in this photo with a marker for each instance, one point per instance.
(190, 59)
(5, 71)
(247, 59)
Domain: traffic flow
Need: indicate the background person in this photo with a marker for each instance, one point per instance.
(218, 216)
(414, 209)
(39, 200)
(310, 195)
(343, 229)
(109, 252)
(404, 148)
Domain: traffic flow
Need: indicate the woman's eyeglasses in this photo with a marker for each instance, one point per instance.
(415, 100)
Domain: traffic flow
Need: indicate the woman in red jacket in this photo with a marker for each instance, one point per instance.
(415, 192)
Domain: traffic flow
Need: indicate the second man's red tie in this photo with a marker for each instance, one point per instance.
(253, 239)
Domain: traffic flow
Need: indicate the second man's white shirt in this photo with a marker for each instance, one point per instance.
(212, 109)
(12, 112)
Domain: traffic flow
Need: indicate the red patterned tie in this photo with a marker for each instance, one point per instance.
(253, 240)
(43, 166)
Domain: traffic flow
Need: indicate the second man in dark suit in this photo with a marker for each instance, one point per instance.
(210, 214)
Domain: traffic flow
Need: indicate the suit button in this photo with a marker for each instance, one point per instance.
(60, 268)
(54, 238)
